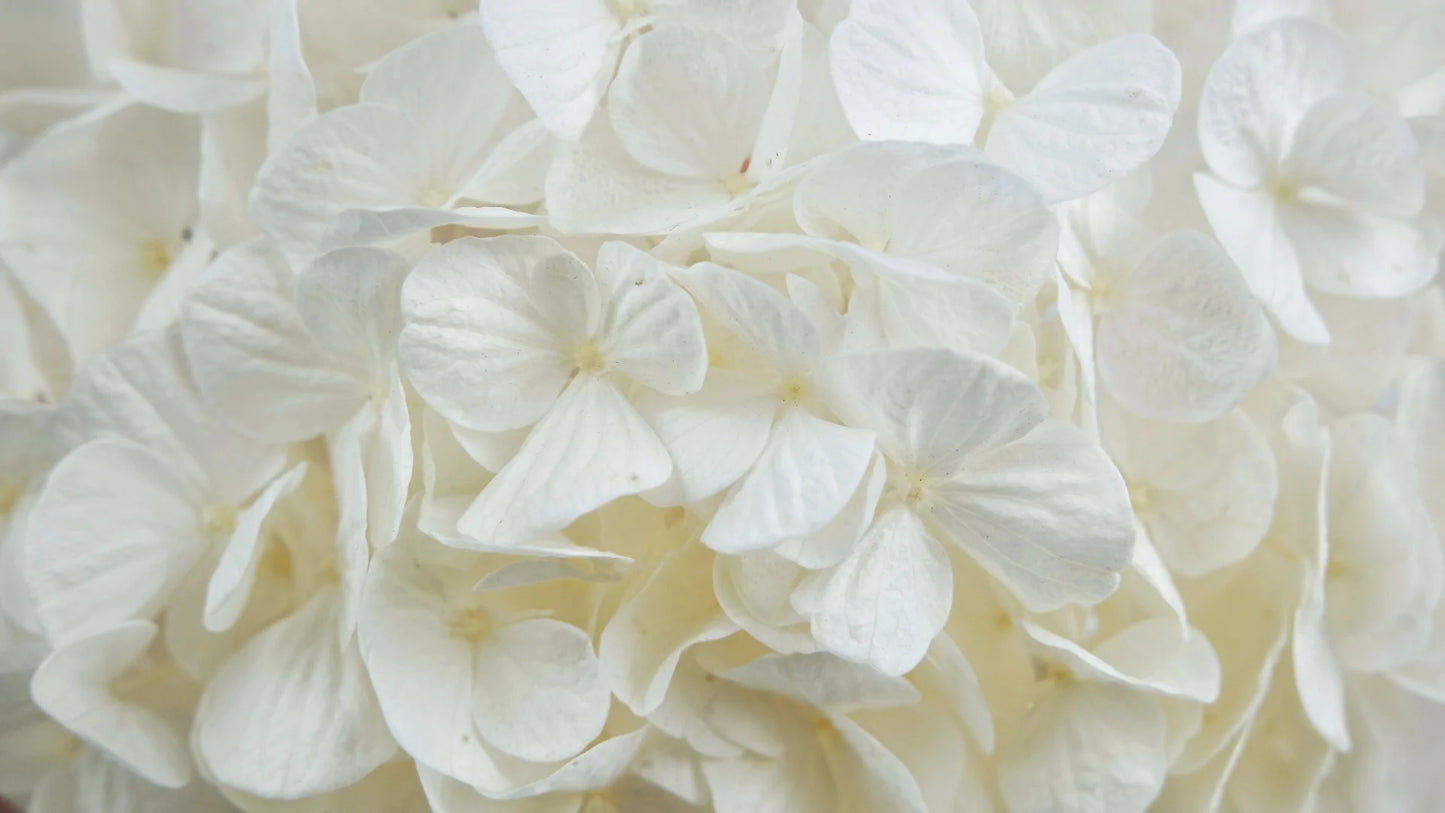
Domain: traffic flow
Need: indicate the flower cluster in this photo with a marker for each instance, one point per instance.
(745, 405)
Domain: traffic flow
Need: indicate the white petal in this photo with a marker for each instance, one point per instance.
(913, 72)
(933, 408)
(832, 543)
(1097, 117)
(946, 673)
(804, 477)
(291, 101)
(474, 345)
(978, 220)
(884, 603)
(1318, 677)
(824, 681)
(869, 772)
(650, 330)
(916, 305)
(642, 643)
(528, 41)
(598, 767)
(451, 89)
(293, 713)
(1048, 515)
(114, 531)
(539, 692)
(1384, 551)
(850, 194)
(422, 673)
(252, 357)
(590, 449)
(1259, 91)
(1250, 227)
(356, 157)
(349, 301)
(713, 436)
(755, 313)
(1028, 37)
(596, 186)
(1182, 338)
(565, 293)
(185, 91)
(1154, 655)
(387, 224)
(387, 458)
(1207, 492)
(71, 686)
(230, 584)
(1357, 149)
(1355, 253)
(754, 591)
(1086, 747)
(126, 178)
(686, 102)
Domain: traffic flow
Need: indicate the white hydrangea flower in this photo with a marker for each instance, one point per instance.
(599, 406)
(919, 72)
(1312, 183)
(551, 341)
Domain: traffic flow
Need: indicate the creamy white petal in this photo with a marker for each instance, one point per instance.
(293, 714)
(423, 674)
(1048, 515)
(884, 603)
(1096, 117)
(824, 681)
(713, 436)
(450, 87)
(539, 692)
(755, 313)
(596, 186)
(914, 72)
(528, 41)
(252, 356)
(803, 478)
(360, 156)
(1356, 148)
(1260, 90)
(931, 409)
(1350, 252)
(114, 531)
(650, 330)
(642, 643)
(979, 220)
(590, 449)
(230, 585)
(474, 344)
(1085, 747)
(1250, 226)
(72, 687)
(1181, 338)
(688, 103)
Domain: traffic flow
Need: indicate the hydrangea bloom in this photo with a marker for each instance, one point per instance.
(652, 406)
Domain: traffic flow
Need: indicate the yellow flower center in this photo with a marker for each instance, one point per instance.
(588, 358)
(154, 257)
(1284, 189)
(219, 520)
(794, 389)
(472, 624)
(627, 10)
(435, 198)
(736, 183)
(9, 495)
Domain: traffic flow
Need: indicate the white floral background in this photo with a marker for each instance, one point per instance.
(619, 406)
